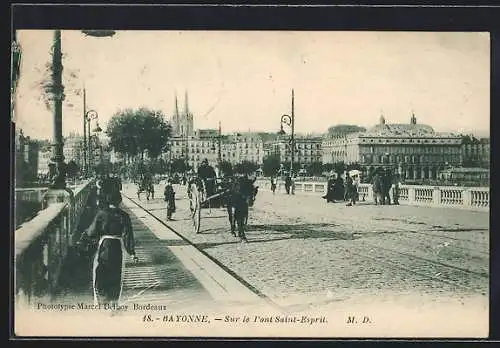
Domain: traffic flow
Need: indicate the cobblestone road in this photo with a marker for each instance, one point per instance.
(305, 253)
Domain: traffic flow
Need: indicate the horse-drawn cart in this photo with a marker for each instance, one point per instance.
(236, 194)
(199, 199)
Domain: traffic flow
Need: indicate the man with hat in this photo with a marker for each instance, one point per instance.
(207, 173)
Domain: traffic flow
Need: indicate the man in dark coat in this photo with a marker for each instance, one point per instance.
(169, 197)
(330, 190)
(207, 173)
(387, 182)
(288, 184)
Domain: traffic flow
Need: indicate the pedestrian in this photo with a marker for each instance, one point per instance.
(169, 197)
(288, 184)
(395, 189)
(355, 188)
(330, 190)
(349, 191)
(339, 188)
(111, 232)
(273, 184)
(377, 188)
(387, 182)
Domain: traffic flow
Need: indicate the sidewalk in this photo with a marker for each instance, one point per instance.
(170, 272)
(174, 272)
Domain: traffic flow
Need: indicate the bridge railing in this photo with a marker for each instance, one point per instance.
(41, 245)
(35, 194)
(453, 196)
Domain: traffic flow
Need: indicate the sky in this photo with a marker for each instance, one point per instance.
(245, 79)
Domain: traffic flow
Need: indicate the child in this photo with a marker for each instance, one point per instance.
(169, 194)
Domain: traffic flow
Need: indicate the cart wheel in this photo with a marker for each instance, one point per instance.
(195, 206)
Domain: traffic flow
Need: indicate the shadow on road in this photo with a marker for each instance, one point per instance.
(287, 232)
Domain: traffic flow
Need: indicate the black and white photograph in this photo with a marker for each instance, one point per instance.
(257, 184)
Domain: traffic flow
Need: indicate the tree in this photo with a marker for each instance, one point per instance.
(315, 168)
(328, 167)
(339, 167)
(226, 168)
(271, 165)
(245, 167)
(137, 132)
(179, 165)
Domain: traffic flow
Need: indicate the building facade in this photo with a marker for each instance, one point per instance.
(234, 148)
(308, 149)
(26, 159)
(73, 149)
(44, 157)
(414, 150)
(475, 152)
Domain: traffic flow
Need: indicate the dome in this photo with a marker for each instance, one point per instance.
(400, 130)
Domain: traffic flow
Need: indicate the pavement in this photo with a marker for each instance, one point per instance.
(302, 248)
(307, 258)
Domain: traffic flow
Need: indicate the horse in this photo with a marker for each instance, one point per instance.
(239, 195)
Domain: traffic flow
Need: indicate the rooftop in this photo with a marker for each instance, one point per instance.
(411, 129)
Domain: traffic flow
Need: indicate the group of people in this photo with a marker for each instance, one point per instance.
(339, 189)
(383, 181)
(289, 185)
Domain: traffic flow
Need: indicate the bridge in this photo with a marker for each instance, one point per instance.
(428, 255)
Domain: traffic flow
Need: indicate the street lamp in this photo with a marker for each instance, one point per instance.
(58, 191)
(289, 121)
(89, 116)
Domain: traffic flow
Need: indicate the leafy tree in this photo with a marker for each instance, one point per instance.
(137, 132)
(328, 167)
(271, 165)
(179, 165)
(315, 168)
(226, 168)
(246, 167)
(339, 167)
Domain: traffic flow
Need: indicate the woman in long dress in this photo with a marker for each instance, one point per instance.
(112, 229)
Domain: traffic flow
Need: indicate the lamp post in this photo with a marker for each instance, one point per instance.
(58, 191)
(84, 132)
(98, 145)
(219, 155)
(89, 116)
(59, 181)
(290, 121)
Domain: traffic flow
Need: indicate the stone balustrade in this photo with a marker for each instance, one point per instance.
(30, 194)
(41, 244)
(36, 194)
(453, 196)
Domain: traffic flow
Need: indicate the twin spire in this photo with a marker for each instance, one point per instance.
(186, 104)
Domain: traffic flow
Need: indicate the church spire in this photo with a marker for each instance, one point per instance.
(176, 106)
(186, 103)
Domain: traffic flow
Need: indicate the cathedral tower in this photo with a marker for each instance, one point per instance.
(182, 123)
